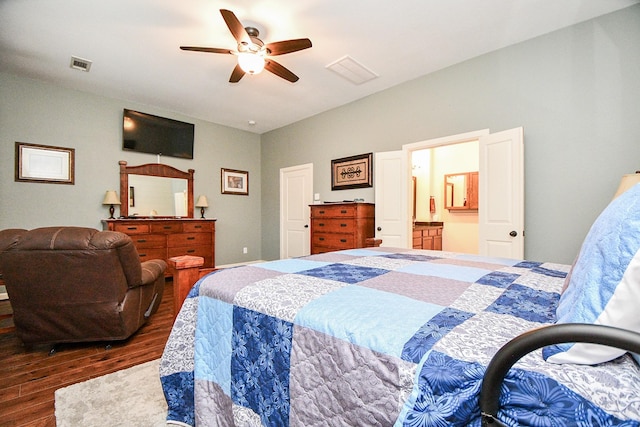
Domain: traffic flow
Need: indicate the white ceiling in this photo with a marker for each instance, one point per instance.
(134, 46)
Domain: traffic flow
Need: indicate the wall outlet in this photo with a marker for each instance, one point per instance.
(316, 197)
(244, 250)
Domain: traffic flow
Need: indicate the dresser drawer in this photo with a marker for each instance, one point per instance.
(195, 227)
(166, 227)
(204, 251)
(188, 239)
(334, 211)
(334, 240)
(434, 231)
(146, 254)
(132, 228)
(331, 225)
(149, 240)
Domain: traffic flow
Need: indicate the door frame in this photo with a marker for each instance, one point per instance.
(407, 151)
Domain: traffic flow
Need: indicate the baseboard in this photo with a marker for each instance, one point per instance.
(239, 264)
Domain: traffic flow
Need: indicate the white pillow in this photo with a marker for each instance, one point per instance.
(604, 283)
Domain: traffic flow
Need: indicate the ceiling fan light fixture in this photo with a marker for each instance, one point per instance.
(252, 63)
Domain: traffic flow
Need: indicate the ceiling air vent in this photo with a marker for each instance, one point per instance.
(352, 70)
(80, 64)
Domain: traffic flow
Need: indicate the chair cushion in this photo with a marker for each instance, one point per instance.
(603, 286)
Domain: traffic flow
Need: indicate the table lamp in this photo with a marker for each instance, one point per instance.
(202, 203)
(111, 198)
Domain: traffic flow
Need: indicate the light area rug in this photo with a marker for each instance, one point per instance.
(130, 397)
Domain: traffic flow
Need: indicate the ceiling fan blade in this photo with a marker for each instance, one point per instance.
(280, 71)
(236, 74)
(288, 46)
(235, 26)
(205, 49)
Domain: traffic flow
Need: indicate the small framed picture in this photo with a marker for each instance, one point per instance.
(352, 172)
(43, 163)
(235, 182)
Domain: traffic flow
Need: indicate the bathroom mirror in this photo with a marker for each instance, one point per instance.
(455, 191)
(461, 191)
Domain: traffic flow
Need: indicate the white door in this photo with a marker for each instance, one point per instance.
(296, 194)
(501, 194)
(391, 181)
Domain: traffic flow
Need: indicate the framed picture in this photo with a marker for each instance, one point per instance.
(352, 172)
(43, 163)
(235, 182)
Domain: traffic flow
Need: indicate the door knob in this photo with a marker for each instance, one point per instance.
(514, 233)
(379, 228)
(306, 226)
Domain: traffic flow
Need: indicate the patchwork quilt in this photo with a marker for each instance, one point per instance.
(379, 336)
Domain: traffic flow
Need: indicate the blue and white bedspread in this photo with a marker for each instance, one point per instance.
(379, 336)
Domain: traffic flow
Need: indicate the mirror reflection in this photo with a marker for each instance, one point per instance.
(157, 196)
(456, 191)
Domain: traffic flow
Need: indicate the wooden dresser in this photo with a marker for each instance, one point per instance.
(167, 238)
(336, 226)
(427, 235)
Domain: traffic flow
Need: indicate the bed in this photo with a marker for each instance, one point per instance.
(391, 336)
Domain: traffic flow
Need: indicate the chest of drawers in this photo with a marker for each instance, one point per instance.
(167, 238)
(339, 226)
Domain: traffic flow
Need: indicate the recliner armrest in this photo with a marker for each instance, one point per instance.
(151, 270)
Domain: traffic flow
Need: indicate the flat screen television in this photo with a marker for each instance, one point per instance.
(146, 133)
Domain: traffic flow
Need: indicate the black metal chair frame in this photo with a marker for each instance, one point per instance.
(523, 344)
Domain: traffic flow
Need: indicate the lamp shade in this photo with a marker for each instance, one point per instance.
(627, 182)
(111, 198)
(202, 202)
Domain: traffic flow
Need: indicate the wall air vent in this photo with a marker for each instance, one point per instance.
(352, 70)
(80, 64)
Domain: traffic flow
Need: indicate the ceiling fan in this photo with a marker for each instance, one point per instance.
(253, 54)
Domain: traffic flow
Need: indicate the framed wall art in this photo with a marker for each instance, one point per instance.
(352, 172)
(44, 163)
(235, 182)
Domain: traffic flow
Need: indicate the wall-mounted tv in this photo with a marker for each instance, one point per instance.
(147, 133)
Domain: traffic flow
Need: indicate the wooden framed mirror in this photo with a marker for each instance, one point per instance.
(461, 191)
(171, 194)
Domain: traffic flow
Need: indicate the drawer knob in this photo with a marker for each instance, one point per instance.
(343, 211)
(343, 240)
(321, 224)
(343, 225)
(142, 240)
(321, 238)
(132, 228)
(167, 227)
(191, 238)
(190, 251)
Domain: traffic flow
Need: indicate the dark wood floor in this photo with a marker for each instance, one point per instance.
(29, 377)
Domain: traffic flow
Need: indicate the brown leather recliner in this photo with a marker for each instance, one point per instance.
(75, 284)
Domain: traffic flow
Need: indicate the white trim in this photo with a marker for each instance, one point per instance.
(445, 140)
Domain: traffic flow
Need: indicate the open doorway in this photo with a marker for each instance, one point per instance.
(429, 167)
